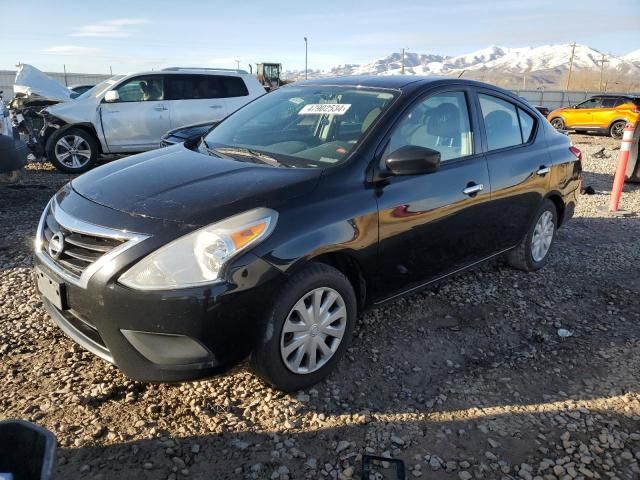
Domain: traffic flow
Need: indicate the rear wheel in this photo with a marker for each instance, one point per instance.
(557, 123)
(617, 129)
(308, 329)
(533, 252)
(72, 150)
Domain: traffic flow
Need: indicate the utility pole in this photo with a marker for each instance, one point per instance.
(573, 50)
(604, 60)
(524, 80)
(237, 64)
(306, 52)
(110, 70)
(402, 68)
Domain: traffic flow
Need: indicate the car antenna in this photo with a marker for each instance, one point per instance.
(461, 73)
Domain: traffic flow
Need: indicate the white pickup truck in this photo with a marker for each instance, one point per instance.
(129, 113)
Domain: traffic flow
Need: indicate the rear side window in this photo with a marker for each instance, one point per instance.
(193, 87)
(610, 102)
(526, 125)
(234, 87)
(501, 122)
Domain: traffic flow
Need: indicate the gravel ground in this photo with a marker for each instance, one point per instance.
(469, 379)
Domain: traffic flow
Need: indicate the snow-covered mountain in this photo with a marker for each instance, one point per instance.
(545, 65)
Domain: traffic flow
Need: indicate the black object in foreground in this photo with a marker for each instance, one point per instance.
(26, 450)
(367, 461)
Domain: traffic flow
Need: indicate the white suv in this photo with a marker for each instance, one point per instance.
(129, 113)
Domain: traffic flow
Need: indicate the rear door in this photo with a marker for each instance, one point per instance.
(436, 223)
(195, 98)
(604, 115)
(137, 121)
(519, 165)
(235, 91)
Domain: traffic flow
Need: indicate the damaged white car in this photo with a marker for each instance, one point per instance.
(129, 114)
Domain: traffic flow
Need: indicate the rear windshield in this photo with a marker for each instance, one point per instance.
(307, 126)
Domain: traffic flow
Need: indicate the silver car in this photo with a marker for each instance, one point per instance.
(130, 113)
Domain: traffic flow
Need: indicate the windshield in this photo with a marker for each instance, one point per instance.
(100, 88)
(307, 126)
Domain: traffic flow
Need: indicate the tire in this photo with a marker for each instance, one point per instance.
(525, 256)
(79, 146)
(617, 128)
(557, 123)
(269, 358)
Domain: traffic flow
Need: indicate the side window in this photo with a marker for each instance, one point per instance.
(440, 122)
(500, 122)
(192, 87)
(591, 103)
(142, 89)
(233, 87)
(526, 125)
(609, 102)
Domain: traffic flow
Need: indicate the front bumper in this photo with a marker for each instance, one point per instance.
(171, 335)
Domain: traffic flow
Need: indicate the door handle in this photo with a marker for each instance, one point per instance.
(543, 170)
(473, 188)
(215, 106)
(160, 108)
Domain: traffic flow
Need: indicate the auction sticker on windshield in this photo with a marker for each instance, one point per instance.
(325, 108)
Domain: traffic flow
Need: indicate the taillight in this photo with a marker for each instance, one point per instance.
(576, 151)
(636, 110)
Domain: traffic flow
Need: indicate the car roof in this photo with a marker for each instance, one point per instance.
(398, 82)
(194, 70)
(376, 81)
(615, 95)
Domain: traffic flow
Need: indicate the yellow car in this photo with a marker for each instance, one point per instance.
(604, 113)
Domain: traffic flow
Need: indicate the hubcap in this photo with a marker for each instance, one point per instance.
(542, 236)
(618, 130)
(557, 124)
(313, 330)
(73, 151)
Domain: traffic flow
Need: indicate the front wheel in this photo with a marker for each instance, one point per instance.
(533, 252)
(617, 129)
(72, 150)
(557, 123)
(308, 329)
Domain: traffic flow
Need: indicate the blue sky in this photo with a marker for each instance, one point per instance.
(133, 35)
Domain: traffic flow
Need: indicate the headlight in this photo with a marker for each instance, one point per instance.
(200, 256)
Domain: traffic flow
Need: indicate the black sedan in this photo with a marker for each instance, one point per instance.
(269, 235)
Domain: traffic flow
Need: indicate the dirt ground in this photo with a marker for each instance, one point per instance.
(469, 379)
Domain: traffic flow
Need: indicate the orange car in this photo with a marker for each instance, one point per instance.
(604, 113)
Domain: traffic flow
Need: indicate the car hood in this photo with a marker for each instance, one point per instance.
(79, 111)
(32, 82)
(181, 185)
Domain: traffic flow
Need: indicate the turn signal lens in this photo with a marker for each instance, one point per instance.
(243, 237)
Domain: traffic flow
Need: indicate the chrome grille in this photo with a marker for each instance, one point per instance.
(82, 248)
(79, 249)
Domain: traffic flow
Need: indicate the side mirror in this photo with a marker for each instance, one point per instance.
(112, 96)
(574, 106)
(412, 160)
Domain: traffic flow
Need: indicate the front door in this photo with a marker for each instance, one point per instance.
(437, 223)
(582, 115)
(519, 166)
(137, 121)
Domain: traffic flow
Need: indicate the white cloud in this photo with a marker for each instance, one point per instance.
(119, 27)
(70, 50)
